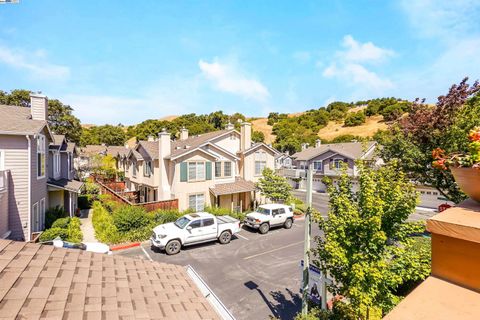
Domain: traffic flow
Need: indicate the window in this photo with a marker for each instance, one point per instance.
(35, 218)
(42, 214)
(260, 162)
(337, 163)
(275, 212)
(147, 168)
(70, 162)
(287, 162)
(223, 169)
(196, 224)
(56, 164)
(196, 171)
(207, 222)
(317, 165)
(41, 156)
(196, 202)
(281, 210)
(134, 169)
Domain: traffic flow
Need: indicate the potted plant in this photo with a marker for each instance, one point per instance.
(465, 167)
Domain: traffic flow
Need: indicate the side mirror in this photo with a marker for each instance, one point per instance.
(189, 228)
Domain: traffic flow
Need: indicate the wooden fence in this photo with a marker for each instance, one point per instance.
(148, 206)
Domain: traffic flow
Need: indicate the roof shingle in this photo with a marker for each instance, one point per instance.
(18, 120)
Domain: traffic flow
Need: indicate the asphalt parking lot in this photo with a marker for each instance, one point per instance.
(255, 276)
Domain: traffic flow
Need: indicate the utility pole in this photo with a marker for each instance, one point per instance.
(308, 235)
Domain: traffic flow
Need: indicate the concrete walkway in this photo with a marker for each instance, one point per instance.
(87, 226)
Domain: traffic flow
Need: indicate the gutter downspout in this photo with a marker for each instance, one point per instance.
(29, 187)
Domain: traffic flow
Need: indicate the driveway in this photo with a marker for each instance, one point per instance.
(255, 276)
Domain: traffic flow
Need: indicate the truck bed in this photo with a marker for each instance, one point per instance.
(226, 219)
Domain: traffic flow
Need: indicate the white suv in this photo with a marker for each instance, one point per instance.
(270, 215)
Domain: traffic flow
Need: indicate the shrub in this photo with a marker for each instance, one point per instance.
(127, 218)
(61, 223)
(73, 230)
(393, 112)
(68, 229)
(355, 119)
(91, 191)
(53, 214)
(53, 233)
(105, 229)
(164, 216)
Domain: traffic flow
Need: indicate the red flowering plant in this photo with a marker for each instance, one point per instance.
(471, 158)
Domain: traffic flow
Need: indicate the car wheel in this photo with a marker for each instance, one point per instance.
(173, 247)
(264, 228)
(288, 223)
(225, 237)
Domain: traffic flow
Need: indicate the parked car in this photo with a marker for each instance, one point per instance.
(270, 215)
(192, 229)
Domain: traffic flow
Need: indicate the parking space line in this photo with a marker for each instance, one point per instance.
(239, 235)
(273, 250)
(146, 253)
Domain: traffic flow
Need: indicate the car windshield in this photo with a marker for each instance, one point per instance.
(263, 211)
(182, 222)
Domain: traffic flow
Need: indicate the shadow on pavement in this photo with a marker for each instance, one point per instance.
(282, 307)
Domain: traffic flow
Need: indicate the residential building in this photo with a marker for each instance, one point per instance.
(44, 282)
(218, 168)
(86, 159)
(30, 168)
(283, 160)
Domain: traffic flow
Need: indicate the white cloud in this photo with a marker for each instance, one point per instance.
(302, 56)
(34, 63)
(227, 78)
(363, 52)
(348, 66)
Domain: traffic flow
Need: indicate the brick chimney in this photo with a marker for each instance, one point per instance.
(183, 133)
(245, 135)
(318, 143)
(164, 150)
(39, 106)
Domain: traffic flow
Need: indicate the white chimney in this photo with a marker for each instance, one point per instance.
(39, 106)
(229, 126)
(245, 135)
(305, 146)
(183, 133)
(150, 138)
(318, 143)
(164, 150)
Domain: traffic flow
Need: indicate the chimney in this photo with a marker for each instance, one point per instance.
(305, 146)
(245, 135)
(39, 106)
(318, 143)
(229, 126)
(150, 138)
(183, 133)
(164, 150)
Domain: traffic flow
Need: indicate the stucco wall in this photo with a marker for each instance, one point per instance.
(249, 164)
(230, 142)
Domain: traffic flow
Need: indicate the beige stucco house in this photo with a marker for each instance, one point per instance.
(213, 169)
(27, 168)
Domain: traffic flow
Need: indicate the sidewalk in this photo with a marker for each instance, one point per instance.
(87, 227)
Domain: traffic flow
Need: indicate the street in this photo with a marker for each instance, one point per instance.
(255, 276)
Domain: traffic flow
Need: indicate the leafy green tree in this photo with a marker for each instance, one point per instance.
(444, 125)
(62, 121)
(258, 136)
(17, 97)
(218, 119)
(355, 119)
(273, 186)
(365, 237)
(106, 134)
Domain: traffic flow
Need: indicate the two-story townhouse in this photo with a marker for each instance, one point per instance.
(24, 141)
(218, 168)
(63, 190)
(84, 162)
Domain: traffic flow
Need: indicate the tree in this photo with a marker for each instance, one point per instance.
(62, 121)
(258, 136)
(355, 119)
(106, 134)
(412, 139)
(365, 237)
(273, 186)
(17, 97)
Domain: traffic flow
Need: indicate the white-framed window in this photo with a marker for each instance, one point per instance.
(196, 171)
(303, 165)
(70, 162)
(223, 169)
(260, 162)
(134, 169)
(147, 168)
(317, 165)
(196, 202)
(287, 162)
(337, 163)
(56, 164)
(41, 156)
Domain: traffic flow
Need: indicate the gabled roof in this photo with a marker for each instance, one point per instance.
(58, 139)
(92, 149)
(257, 145)
(117, 151)
(44, 282)
(150, 147)
(70, 185)
(240, 185)
(180, 147)
(352, 150)
(16, 120)
(71, 147)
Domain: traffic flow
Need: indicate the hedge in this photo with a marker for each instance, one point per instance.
(68, 229)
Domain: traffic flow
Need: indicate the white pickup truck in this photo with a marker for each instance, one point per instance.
(192, 229)
(270, 215)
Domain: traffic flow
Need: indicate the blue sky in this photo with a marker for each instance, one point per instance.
(127, 61)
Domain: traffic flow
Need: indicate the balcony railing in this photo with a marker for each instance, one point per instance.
(292, 173)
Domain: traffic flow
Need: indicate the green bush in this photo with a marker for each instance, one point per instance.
(68, 229)
(91, 191)
(164, 216)
(127, 218)
(61, 223)
(53, 214)
(53, 233)
(355, 119)
(73, 230)
(105, 229)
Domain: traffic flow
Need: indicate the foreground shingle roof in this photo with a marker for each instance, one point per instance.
(353, 150)
(18, 120)
(240, 185)
(70, 185)
(40, 281)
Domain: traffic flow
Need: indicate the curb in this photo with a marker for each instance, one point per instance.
(299, 217)
(125, 246)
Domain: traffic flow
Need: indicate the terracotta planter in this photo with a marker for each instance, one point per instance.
(468, 180)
